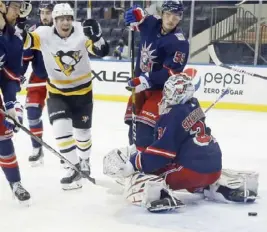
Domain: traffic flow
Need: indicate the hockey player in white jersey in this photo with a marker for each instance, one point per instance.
(65, 47)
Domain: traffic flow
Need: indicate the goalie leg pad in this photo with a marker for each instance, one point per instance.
(141, 189)
(234, 186)
(250, 178)
(151, 192)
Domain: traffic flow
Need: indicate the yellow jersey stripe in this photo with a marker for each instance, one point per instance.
(82, 91)
(89, 45)
(32, 41)
(66, 82)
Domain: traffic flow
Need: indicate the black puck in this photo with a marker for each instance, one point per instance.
(252, 214)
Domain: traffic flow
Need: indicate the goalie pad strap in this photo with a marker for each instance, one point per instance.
(141, 189)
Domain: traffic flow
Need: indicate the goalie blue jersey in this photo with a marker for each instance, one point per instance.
(182, 137)
(160, 55)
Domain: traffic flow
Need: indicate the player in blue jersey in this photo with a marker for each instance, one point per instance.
(163, 52)
(36, 95)
(11, 50)
(183, 155)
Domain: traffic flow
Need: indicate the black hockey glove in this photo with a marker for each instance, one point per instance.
(21, 23)
(22, 27)
(92, 29)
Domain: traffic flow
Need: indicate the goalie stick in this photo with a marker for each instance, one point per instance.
(218, 99)
(102, 183)
(217, 62)
(133, 90)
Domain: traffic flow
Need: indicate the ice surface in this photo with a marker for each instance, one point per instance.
(242, 137)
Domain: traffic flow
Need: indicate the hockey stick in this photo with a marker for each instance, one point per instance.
(217, 62)
(48, 147)
(218, 99)
(103, 183)
(29, 85)
(133, 91)
(240, 3)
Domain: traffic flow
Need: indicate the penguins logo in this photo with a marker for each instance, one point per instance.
(67, 61)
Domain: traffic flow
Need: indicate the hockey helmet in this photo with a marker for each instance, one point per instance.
(25, 8)
(62, 9)
(174, 7)
(46, 5)
(178, 89)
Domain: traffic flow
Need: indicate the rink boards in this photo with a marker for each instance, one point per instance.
(247, 93)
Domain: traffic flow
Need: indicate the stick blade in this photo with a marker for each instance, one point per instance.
(213, 55)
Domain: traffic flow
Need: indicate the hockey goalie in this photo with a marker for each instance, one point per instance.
(183, 156)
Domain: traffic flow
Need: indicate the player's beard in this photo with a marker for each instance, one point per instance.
(45, 22)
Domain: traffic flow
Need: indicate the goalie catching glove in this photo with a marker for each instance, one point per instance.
(116, 163)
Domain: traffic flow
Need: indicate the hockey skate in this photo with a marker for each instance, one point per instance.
(72, 179)
(20, 193)
(167, 202)
(64, 164)
(85, 167)
(37, 157)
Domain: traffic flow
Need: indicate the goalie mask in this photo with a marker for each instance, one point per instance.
(178, 89)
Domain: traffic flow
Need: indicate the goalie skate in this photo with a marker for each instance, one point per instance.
(165, 204)
(20, 193)
(72, 180)
(37, 157)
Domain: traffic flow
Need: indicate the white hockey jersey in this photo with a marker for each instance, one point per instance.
(66, 59)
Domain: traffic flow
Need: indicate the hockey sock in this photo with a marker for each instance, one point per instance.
(35, 123)
(64, 138)
(8, 161)
(83, 142)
